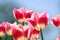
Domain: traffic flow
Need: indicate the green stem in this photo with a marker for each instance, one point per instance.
(22, 23)
(11, 37)
(0, 38)
(41, 34)
(6, 37)
(36, 38)
(28, 38)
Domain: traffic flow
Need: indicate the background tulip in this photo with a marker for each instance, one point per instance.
(2, 29)
(56, 21)
(58, 37)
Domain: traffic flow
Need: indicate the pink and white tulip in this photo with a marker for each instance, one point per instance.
(39, 21)
(22, 14)
(2, 29)
(56, 21)
(58, 37)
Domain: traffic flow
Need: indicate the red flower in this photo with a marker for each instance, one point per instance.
(58, 38)
(2, 30)
(56, 21)
(8, 28)
(39, 21)
(21, 32)
(21, 14)
(34, 33)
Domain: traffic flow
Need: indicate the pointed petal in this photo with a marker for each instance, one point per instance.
(43, 19)
(35, 33)
(26, 33)
(57, 17)
(29, 14)
(53, 21)
(35, 17)
(16, 33)
(58, 20)
(8, 28)
(17, 14)
(23, 11)
(20, 33)
(2, 29)
(32, 22)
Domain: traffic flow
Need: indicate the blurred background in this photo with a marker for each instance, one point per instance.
(52, 6)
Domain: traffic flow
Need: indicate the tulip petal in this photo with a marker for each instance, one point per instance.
(56, 21)
(35, 33)
(43, 19)
(20, 33)
(2, 29)
(53, 21)
(17, 14)
(16, 33)
(32, 22)
(58, 38)
(29, 14)
(35, 17)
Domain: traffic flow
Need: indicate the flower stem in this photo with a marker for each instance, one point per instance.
(6, 37)
(41, 34)
(0, 38)
(22, 23)
(11, 37)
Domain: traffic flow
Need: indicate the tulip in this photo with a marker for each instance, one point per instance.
(21, 32)
(58, 38)
(56, 21)
(38, 21)
(2, 30)
(22, 14)
(34, 34)
(8, 28)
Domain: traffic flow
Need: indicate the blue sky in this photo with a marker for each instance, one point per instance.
(52, 6)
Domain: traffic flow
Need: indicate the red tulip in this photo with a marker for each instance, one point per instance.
(34, 34)
(21, 32)
(22, 14)
(39, 21)
(8, 28)
(2, 30)
(58, 38)
(56, 21)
